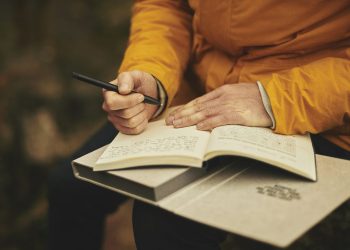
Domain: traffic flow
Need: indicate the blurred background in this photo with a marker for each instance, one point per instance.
(45, 115)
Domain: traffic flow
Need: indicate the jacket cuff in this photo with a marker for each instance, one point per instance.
(266, 103)
(162, 97)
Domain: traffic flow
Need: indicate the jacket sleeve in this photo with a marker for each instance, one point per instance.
(160, 41)
(312, 98)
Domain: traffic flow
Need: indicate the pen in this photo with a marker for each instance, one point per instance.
(112, 87)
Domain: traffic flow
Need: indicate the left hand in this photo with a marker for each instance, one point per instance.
(239, 104)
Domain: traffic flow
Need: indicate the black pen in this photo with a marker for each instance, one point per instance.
(112, 87)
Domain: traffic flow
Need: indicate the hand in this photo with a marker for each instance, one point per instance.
(239, 103)
(127, 112)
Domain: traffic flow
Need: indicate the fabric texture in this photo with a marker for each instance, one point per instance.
(301, 57)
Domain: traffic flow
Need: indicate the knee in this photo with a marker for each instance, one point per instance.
(147, 226)
(64, 187)
(67, 192)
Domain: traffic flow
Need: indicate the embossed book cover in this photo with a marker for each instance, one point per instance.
(242, 196)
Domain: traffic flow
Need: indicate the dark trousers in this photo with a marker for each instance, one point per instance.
(77, 209)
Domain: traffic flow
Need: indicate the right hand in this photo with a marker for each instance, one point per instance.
(126, 111)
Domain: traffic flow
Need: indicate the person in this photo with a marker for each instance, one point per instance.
(278, 64)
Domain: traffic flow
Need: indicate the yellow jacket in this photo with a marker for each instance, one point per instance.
(299, 51)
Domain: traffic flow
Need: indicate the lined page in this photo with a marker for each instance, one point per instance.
(158, 140)
(292, 152)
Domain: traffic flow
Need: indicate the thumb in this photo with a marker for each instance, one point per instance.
(125, 83)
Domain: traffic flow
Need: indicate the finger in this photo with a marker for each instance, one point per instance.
(204, 110)
(177, 110)
(188, 120)
(133, 122)
(114, 101)
(196, 102)
(115, 81)
(197, 117)
(125, 83)
(138, 78)
(172, 114)
(178, 115)
(187, 110)
(207, 97)
(129, 112)
(150, 110)
(132, 131)
(206, 107)
(220, 120)
(169, 119)
(187, 117)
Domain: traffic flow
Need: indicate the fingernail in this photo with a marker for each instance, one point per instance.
(123, 87)
(140, 98)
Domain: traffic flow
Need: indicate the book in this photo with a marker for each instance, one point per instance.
(150, 183)
(238, 195)
(164, 145)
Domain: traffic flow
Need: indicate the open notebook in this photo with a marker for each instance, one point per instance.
(165, 145)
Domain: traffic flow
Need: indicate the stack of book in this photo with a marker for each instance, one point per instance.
(244, 180)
